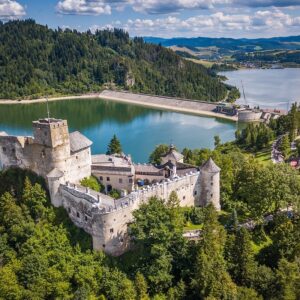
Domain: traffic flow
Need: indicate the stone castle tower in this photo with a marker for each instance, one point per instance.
(51, 138)
(210, 184)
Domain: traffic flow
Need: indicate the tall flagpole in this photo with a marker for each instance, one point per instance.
(48, 112)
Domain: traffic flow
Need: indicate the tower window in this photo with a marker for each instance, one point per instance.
(86, 218)
(183, 197)
(211, 195)
(107, 178)
(103, 245)
(78, 215)
(111, 230)
(195, 193)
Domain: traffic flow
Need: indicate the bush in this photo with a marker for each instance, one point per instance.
(92, 183)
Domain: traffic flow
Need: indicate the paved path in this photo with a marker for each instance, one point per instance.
(276, 155)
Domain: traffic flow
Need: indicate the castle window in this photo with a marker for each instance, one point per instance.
(130, 180)
(101, 178)
(78, 215)
(111, 230)
(195, 193)
(120, 180)
(13, 150)
(211, 195)
(4, 149)
(69, 210)
(183, 197)
(86, 218)
(108, 178)
(211, 183)
(103, 245)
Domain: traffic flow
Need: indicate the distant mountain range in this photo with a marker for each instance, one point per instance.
(287, 43)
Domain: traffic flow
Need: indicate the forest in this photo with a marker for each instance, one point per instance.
(250, 250)
(36, 61)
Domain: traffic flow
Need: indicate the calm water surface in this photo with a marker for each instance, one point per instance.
(267, 88)
(139, 129)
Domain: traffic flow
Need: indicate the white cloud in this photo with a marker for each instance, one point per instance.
(97, 7)
(260, 23)
(267, 3)
(166, 6)
(11, 10)
(83, 7)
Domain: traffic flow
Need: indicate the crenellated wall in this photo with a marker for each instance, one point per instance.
(51, 154)
(106, 219)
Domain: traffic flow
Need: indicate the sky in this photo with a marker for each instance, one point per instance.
(164, 18)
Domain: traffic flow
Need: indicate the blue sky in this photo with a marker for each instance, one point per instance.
(164, 18)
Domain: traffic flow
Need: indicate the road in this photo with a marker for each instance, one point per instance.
(276, 155)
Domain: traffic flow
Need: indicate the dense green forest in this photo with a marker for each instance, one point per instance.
(36, 60)
(249, 251)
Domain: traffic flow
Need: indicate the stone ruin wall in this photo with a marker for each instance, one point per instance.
(108, 227)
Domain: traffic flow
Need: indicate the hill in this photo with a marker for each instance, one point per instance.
(289, 43)
(36, 60)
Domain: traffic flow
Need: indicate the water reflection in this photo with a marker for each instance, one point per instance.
(139, 129)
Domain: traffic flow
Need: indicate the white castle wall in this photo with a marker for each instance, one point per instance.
(99, 215)
(108, 226)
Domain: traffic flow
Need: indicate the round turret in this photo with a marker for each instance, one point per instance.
(210, 184)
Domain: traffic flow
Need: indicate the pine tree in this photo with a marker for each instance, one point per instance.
(141, 287)
(114, 146)
(241, 258)
(211, 278)
(217, 141)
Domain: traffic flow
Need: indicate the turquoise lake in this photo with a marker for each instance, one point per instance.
(141, 129)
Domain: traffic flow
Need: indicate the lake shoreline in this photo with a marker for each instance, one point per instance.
(165, 103)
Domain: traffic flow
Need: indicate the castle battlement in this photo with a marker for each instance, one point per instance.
(64, 159)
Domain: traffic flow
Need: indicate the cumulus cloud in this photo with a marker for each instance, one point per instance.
(267, 3)
(166, 6)
(97, 7)
(83, 7)
(11, 10)
(261, 22)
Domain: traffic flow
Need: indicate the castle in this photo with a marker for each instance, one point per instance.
(64, 159)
